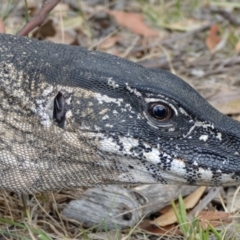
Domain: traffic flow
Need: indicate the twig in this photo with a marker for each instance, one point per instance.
(215, 71)
(205, 201)
(39, 18)
(227, 15)
(170, 41)
(157, 62)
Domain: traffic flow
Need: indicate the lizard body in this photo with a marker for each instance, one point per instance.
(72, 118)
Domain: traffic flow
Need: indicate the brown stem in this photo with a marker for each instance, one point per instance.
(227, 15)
(39, 18)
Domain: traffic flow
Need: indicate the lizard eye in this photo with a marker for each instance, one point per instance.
(160, 111)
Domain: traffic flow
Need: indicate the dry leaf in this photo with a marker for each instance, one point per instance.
(73, 23)
(108, 43)
(185, 25)
(169, 230)
(214, 218)
(165, 219)
(61, 10)
(166, 209)
(189, 202)
(63, 37)
(48, 29)
(213, 37)
(135, 22)
(237, 47)
(2, 26)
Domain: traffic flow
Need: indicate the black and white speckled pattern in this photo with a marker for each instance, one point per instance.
(108, 136)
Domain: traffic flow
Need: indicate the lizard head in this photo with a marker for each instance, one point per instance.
(72, 117)
(159, 127)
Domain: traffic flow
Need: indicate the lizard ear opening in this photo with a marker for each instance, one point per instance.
(59, 110)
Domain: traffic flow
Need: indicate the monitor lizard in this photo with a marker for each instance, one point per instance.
(72, 118)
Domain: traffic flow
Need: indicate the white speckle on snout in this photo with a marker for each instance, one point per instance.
(139, 116)
(133, 90)
(97, 128)
(219, 136)
(198, 124)
(183, 111)
(111, 146)
(195, 163)
(152, 156)
(102, 112)
(178, 167)
(105, 117)
(104, 98)
(203, 137)
(112, 83)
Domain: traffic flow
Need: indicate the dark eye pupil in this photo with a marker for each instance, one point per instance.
(159, 111)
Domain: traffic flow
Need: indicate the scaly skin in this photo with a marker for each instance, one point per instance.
(71, 117)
